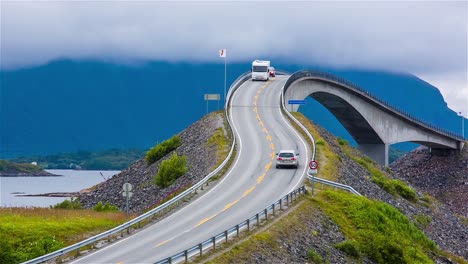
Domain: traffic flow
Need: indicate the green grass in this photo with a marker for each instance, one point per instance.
(380, 231)
(392, 186)
(324, 154)
(26, 233)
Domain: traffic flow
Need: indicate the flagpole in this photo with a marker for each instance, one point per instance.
(225, 79)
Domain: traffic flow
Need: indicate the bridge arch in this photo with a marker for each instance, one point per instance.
(374, 124)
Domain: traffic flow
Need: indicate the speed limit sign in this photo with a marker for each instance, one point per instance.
(313, 165)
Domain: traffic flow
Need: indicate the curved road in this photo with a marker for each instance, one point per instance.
(252, 184)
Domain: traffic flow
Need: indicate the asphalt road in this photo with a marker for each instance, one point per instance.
(252, 184)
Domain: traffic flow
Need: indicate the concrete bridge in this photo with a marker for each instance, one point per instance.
(373, 123)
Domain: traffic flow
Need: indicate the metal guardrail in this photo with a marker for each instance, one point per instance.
(309, 176)
(314, 179)
(224, 236)
(176, 200)
(359, 90)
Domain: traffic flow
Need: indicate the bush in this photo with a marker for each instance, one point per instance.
(342, 142)
(73, 203)
(313, 256)
(349, 247)
(161, 150)
(170, 170)
(106, 207)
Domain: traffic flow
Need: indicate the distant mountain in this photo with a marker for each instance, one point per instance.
(68, 106)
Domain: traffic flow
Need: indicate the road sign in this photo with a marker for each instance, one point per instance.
(212, 97)
(127, 194)
(313, 165)
(127, 187)
(299, 102)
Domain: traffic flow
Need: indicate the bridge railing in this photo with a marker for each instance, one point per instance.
(309, 176)
(152, 213)
(247, 225)
(357, 89)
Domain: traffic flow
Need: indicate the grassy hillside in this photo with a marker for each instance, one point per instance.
(11, 169)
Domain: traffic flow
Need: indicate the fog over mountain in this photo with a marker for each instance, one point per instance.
(424, 38)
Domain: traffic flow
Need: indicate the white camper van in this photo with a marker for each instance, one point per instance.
(260, 70)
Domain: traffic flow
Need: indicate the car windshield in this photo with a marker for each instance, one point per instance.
(260, 68)
(286, 155)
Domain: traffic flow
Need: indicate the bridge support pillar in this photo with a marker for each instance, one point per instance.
(377, 152)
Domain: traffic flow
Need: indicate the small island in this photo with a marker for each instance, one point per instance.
(11, 169)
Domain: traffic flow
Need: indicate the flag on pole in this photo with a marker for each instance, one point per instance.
(222, 53)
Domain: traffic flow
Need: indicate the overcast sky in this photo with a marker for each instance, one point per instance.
(425, 38)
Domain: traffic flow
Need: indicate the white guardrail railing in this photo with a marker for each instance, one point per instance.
(152, 213)
(311, 177)
(247, 225)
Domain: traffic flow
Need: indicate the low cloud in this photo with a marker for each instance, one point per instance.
(417, 37)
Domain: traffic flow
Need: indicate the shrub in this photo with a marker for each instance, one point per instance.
(73, 203)
(404, 190)
(349, 247)
(342, 142)
(161, 150)
(313, 256)
(170, 170)
(423, 220)
(105, 207)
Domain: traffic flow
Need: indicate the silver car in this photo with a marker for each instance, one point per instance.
(287, 158)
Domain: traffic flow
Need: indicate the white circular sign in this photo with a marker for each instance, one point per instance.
(127, 187)
(313, 165)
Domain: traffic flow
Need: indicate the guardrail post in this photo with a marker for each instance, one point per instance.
(248, 225)
(266, 214)
(186, 256)
(237, 230)
(258, 220)
(213, 240)
(273, 209)
(281, 203)
(200, 247)
(170, 260)
(226, 235)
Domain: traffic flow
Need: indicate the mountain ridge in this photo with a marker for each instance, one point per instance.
(66, 105)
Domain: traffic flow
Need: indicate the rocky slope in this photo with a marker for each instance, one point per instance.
(445, 228)
(201, 158)
(445, 178)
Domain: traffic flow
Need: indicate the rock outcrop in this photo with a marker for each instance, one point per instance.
(201, 158)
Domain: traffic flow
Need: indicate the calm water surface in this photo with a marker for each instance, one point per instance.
(71, 181)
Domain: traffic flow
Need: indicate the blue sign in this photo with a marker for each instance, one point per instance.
(299, 102)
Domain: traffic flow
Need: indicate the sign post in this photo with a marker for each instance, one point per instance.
(127, 187)
(313, 166)
(211, 97)
(222, 54)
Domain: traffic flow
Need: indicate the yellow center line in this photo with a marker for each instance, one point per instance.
(160, 244)
(248, 191)
(206, 220)
(229, 205)
(260, 179)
